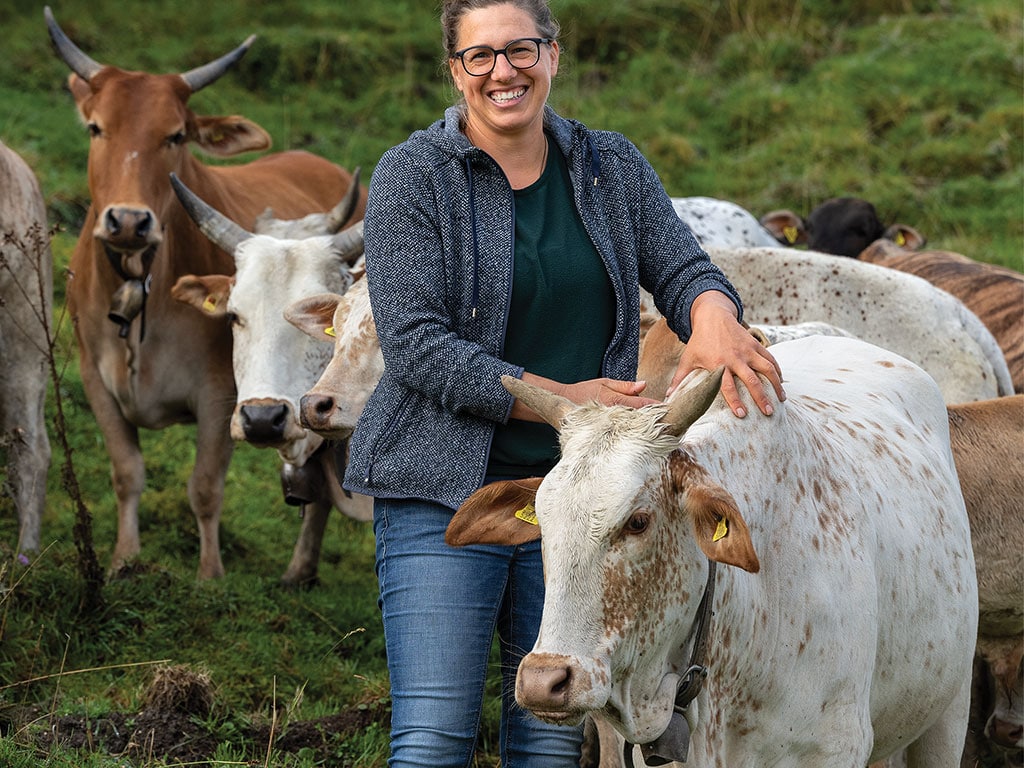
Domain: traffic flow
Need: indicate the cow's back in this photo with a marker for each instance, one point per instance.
(867, 574)
(994, 293)
(900, 312)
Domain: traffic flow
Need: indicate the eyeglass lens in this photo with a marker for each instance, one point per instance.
(521, 54)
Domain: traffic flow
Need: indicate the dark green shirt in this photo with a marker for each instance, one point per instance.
(562, 314)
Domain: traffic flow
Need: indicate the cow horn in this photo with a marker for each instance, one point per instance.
(215, 225)
(349, 243)
(693, 397)
(200, 77)
(342, 212)
(549, 406)
(77, 61)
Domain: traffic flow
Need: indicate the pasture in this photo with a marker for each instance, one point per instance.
(915, 105)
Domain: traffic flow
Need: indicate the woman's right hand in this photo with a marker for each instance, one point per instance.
(604, 391)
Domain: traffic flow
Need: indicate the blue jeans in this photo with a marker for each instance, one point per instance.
(441, 606)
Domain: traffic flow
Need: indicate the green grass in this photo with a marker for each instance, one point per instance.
(914, 104)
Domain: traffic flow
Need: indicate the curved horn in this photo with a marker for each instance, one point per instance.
(77, 61)
(200, 77)
(342, 212)
(214, 224)
(693, 397)
(549, 406)
(349, 243)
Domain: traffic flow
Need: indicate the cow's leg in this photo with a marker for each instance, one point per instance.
(23, 429)
(214, 447)
(302, 570)
(942, 744)
(127, 469)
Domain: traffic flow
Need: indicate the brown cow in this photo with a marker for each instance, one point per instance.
(995, 294)
(160, 362)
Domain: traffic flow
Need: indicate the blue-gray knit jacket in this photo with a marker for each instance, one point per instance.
(439, 243)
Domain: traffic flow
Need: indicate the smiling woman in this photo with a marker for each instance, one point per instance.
(505, 240)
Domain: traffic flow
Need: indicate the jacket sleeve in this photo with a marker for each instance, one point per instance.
(407, 271)
(672, 265)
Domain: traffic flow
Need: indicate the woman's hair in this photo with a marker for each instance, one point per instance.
(452, 12)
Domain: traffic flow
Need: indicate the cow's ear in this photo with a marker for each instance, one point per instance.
(207, 293)
(81, 92)
(905, 236)
(314, 316)
(720, 528)
(227, 136)
(498, 513)
(718, 525)
(786, 227)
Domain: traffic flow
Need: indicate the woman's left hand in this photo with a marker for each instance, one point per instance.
(718, 339)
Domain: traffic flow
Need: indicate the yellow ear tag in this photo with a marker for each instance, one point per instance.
(527, 514)
(900, 239)
(329, 331)
(210, 305)
(722, 530)
(790, 233)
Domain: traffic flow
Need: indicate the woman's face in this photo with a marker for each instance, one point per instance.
(508, 101)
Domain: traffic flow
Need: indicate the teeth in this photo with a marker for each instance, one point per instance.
(508, 96)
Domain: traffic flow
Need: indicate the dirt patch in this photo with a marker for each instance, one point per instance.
(176, 725)
(177, 737)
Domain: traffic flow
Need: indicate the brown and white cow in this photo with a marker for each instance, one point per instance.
(333, 405)
(26, 296)
(994, 293)
(842, 625)
(160, 362)
(275, 364)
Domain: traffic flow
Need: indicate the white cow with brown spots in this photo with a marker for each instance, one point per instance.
(844, 617)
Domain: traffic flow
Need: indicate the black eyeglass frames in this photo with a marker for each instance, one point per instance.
(523, 53)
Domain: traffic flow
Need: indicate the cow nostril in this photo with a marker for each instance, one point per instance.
(113, 223)
(324, 405)
(145, 225)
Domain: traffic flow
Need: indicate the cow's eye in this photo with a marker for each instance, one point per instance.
(94, 130)
(637, 523)
(176, 139)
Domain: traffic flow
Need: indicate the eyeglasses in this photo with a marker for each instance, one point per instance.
(479, 60)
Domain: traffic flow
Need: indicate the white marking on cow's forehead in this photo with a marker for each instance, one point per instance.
(608, 454)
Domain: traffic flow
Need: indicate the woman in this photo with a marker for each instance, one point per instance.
(505, 239)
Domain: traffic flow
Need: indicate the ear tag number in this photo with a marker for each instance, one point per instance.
(527, 514)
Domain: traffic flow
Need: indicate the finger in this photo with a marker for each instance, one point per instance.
(732, 396)
(758, 392)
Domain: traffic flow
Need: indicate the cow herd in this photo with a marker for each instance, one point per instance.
(868, 538)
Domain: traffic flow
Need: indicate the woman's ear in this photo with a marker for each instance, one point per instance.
(456, 69)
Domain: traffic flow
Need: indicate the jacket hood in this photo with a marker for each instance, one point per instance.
(447, 137)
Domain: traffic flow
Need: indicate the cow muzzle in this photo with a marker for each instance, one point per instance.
(555, 689)
(319, 413)
(272, 423)
(128, 229)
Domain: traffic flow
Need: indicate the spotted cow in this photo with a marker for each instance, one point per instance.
(843, 608)
(721, 223)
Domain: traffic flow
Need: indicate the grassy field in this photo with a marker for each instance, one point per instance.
(914, 104)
